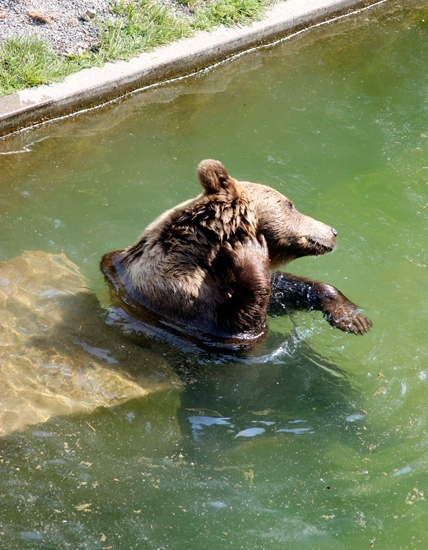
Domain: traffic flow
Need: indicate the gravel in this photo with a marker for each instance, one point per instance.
(67, 24)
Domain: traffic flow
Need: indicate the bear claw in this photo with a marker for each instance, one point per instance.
(353, 322)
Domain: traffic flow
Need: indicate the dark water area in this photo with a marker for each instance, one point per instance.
(314, 439)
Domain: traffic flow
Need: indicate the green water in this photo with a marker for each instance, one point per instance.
(317, 439)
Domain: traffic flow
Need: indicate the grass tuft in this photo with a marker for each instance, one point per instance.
(141, 26)
(26, 62)
(228, 13)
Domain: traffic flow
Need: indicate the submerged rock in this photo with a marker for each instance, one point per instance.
(58, 356)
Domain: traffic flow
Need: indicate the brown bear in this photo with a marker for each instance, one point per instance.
(203, 266)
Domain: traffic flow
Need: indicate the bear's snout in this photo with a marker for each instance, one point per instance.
(333, 230)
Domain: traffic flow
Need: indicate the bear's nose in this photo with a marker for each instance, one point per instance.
(333, 230)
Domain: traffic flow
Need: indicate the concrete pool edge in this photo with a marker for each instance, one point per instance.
(96, 86)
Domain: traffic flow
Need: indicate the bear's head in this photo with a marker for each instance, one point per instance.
(288, 233)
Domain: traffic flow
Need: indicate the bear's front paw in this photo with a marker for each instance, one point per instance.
(348, 319)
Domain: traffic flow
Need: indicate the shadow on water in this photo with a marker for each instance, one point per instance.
(281, 386)
(291, 391)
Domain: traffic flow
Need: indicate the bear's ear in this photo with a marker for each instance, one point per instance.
(214, 177)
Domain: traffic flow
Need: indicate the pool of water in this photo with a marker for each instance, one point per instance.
(316, 439)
